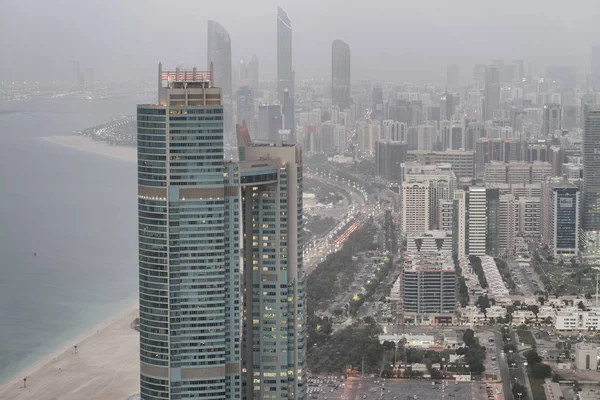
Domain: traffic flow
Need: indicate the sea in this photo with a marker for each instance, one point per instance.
(68, 240)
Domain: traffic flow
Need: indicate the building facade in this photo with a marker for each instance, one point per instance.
(564, 220)
(274, 316)
(429, 288)
(219, 55)
(188, 243)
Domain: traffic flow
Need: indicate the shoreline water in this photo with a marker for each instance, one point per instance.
(54, 374)
(63, 347)
(86, 144)
(83, 143)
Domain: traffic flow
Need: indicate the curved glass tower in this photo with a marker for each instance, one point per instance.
(340, 74)
(188, 244)
(219, 54)
(285, 75)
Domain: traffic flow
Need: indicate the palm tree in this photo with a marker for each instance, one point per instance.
(75, 349)
(24, 382)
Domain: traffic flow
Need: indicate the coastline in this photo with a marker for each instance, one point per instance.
(83, 143)
(43, 372)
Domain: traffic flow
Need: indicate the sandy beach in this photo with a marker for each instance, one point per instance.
(106, 367)
(84, 143)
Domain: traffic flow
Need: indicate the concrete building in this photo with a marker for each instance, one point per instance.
(476, 209)
(445, 214)
(429, 288)
(552, 119)
(508, 224)
(188, 210)
(274, 280)
(518, 189)
(586, 356)
(530, 217)
(461, 161)
(442, 184)
(429, 241)
(517, 172)
(415, 212)
(459, 224)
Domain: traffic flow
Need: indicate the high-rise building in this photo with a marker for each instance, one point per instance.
(552, 119)
(517, 172)
(507, 224)
(429, 288)
(492, 206)
(377, 111)
(252, 77)
(389, 156)
(595, 67)
(564, 220)
(270, 122)
(415, 210)
(530, 217)
(446, 214)
(492, 92)
(219, 55)
(459, 224)
(285, 73)
(476, 221)
(245, 109)
(340, 74)
(429, 241)
(274, 314)
(188, 200)
(591, 167)
(452, 76)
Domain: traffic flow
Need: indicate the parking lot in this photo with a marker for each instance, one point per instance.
(356, 388)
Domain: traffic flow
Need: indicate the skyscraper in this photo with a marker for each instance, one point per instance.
(252, 75)
(595, 67)
(270, 122)
(552, 119)
(340, 74)
(219, 54)
(188, 202)
(492, 92)
(476, 221)
(591, 168)
(245, 108)
(564, 220)
(274, 311)
(285, 74)
(452, 76)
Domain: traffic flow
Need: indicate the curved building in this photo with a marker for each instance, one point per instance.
(340, 74)
(285, 74)
(219, 54)
(188, 229)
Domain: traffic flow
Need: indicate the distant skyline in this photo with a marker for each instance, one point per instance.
(390, 41)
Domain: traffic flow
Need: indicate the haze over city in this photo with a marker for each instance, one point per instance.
(391, 40)
(299, 200)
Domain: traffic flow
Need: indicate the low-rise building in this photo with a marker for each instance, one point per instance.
(586, 356)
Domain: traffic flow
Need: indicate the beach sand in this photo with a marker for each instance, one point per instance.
(106, 367)
(125, 153)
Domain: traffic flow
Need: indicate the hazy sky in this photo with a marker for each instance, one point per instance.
(392, 40)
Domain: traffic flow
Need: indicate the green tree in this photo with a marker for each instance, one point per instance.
(519, 391)
(541, 371)
(532, 357)
(469, 337)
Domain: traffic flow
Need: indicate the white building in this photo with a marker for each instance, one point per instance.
(415, 210)
(477, 222)
(586, 356)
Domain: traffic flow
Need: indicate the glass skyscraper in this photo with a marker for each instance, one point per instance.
(219, 54)
(188, 205)
(274, 310)
(340, 74)
(222, 313)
